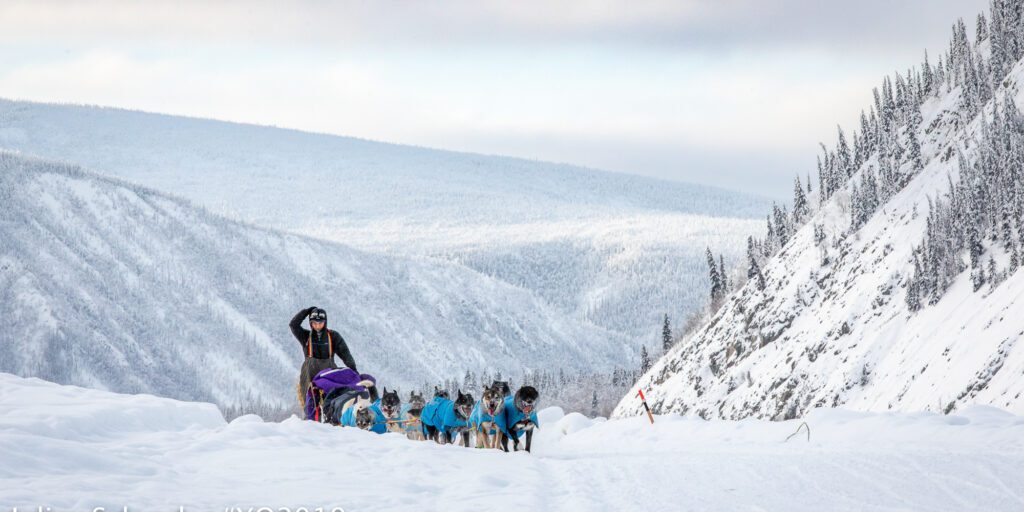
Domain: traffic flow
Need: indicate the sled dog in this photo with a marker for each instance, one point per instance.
(518, 417)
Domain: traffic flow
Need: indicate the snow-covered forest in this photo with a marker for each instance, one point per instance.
(110, 285)
(467, 246)
(894, 284)
(613, 249)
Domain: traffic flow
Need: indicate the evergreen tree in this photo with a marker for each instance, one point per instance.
(723, 275)
(758, 275)
(914, 154)
(593, 405)
(666, 334)
(781, 225)
(715, 278)
(913, 292)
(867, 139)
(770, 242)
(1014, 257)
(645, 359)
(753, 267)
(926, 77)
(800, 208)
(1000, 58)
(992, 272)
(843, 154)
(978, 278)
(981, 31)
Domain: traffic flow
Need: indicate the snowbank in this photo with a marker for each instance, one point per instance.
(71, 448)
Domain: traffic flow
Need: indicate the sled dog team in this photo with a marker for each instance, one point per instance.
(343, 396)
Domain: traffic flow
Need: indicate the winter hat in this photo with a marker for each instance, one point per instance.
(318, 314)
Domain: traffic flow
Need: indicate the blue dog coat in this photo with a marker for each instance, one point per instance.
(511, 415)
(440, 414)
(380, 426)
(479, 417)
(409, 426)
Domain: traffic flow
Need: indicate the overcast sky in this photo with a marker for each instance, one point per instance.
(734, 93)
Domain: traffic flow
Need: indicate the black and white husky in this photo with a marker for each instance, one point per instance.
(365, 418)
(521, 418)
(391, 406)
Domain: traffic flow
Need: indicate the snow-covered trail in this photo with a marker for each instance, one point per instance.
(71, 448)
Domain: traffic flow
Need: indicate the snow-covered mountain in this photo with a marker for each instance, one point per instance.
(110, 285)
(75, 448)
(613, 249)
(900, 287)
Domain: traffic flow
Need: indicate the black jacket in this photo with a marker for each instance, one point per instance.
(319, 340)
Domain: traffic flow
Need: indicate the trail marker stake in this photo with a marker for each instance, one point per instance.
(640, 393)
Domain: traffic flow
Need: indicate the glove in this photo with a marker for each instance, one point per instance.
(366, 383)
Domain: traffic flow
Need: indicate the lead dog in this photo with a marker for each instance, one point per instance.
(518, 417)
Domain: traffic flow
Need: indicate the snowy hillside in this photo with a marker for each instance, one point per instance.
(614, 249)
(109, 285)
(73, 448)
(902, 290)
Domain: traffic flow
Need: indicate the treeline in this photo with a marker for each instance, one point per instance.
(886, 151)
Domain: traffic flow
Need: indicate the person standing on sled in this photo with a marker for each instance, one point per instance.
(319, 345)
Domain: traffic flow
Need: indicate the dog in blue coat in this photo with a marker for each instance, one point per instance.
(443, 418)
(371, 418)
(482, 419)
(518, 417)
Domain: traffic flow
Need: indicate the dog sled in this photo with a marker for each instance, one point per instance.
(341, 396)
(333, 392)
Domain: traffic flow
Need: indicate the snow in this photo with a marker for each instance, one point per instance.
(840, 333)
(110, 285)
(611, 249)
(74, 448)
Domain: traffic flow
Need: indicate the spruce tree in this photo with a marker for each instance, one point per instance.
(843, 153)
(981, 30)
(666, 334)
(758, 275)
(978, 278)
(769, 239)
(800, 208)
(856, 207)
(912, 298)
(723, 275)
(781, 225)
(914, 154)
(751, 258)
(645, 359)
(1014, 257)
(992, 272)
(926, 76)
(715, 278)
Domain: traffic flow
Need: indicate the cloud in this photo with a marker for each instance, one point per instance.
(701, 90)
(701, 24)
